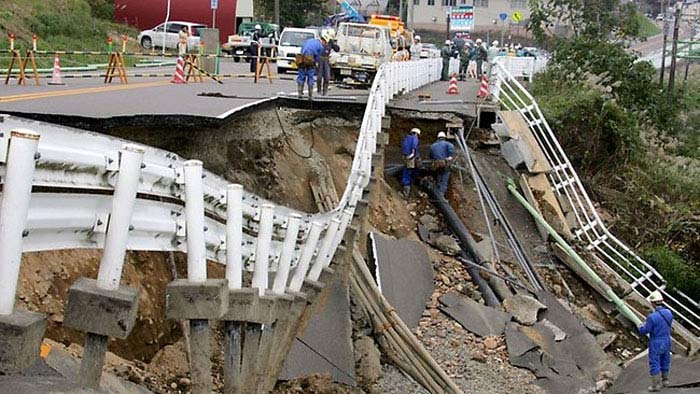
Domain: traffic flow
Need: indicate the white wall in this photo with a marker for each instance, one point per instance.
(244, 9)
(483, 16)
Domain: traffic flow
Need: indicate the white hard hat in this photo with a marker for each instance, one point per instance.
(495, 43)
(417, 38)
(656, 296)
(258, 27)
(415, 130)
(478, 40)
(442, 135)
(326, 37)
(447, 42)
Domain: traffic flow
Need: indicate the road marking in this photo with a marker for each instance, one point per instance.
(60, 93)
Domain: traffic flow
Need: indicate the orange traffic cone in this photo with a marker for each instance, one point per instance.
(56, 75)
(484, 88)
(452, 88)
(179, 76)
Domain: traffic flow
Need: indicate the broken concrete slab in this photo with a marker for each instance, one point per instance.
(567, 384)
(635, 378)
(479, 319)
(590, 319)
(589, 356)
(325, 346)
(430, 222)
(447, 245)
(559, 334)
(517, 343)
(404, 275)
(523, 308)
(559, 314)
(518, 131)
(605, 339)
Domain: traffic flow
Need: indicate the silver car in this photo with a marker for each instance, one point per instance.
(152, 38)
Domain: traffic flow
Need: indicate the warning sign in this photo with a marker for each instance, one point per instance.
(462, 18)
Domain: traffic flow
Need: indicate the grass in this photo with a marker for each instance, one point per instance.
(647, 27)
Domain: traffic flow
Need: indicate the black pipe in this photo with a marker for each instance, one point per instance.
(466, 241)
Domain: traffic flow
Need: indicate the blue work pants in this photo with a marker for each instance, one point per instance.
(442, 177)
(408, 175)
(306, 75)
(659, 356)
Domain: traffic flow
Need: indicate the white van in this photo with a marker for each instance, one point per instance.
(290, 44)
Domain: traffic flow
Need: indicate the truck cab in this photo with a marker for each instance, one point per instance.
(363, 48)
(238, 45)
(291, 40)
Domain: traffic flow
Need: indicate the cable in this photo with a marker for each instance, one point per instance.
(286, 138)
(326, 359)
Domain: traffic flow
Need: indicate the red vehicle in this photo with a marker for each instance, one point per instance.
(147, 14)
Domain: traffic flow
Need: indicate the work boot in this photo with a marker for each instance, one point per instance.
(300, 90)
(664, 379)
(406, 192)
(325, 89)
(311, 91)
(655, 384)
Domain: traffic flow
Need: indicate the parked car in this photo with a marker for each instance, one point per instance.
(290, 45)
(239, 44)
(429, 50)
(660, 17)
(152, 38)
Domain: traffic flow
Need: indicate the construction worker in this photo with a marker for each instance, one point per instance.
(491, 57)
(442, 154)
(307, 61)
(464, 60)
(324, 64)
(416, 48)
(658, 327)
(446, 54)
(253, 49)
(182, 36)
(411, 159)
(481, 56)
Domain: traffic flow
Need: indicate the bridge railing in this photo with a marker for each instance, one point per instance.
(76, 172)
(590, 229)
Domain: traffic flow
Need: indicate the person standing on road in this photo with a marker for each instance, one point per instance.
(324, 64)
(491, 57)
(416, 48)
(411, 159)
(658, 327)
(307, 61)
(446, 54)
(471, 68)
(481, 56)
(442, 154)
(182, 37)
(464, 61)
(253, 49)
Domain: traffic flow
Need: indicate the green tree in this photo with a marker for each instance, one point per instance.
(298, 13)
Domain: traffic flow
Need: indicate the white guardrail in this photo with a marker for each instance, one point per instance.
(522, 67)
(74, 200)
(591, 230)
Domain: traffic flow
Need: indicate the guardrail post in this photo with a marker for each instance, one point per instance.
(262, 249)
(197, 298)
(306, 255)
(320, 262)
(21, 332)
(102, 308)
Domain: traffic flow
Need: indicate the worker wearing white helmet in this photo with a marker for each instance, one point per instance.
(411, 157)
(446, 55)
(254, 46)
(491, 57)
(442, 153)
(658, 327)
(416, 48)
(324, 64)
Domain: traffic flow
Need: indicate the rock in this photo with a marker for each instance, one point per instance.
(447, 245)
(602, 385)
(491, 342)
(559, 334)
(173, 386)
(442, 333)
(434, 313)
(589, 317)
(625, 353)
(430, 222)
(541, 249)
(605, 339)
(444, 279)
(479, 357)
(368, 365)
(184, 382)
(523, 308)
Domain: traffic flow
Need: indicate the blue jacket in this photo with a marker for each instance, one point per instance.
(312, 47)
(441, 150)
(410, 145)
(658, 326)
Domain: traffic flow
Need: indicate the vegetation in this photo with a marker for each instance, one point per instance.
(647, 27)
(636, 151)
(293, 13)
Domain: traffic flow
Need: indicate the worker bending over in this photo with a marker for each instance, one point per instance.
(411, 159)
(442, 154)
(658, 327)
(307, 61)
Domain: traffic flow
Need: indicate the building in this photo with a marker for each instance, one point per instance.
(244, 12)
(432, 14)
(145, 14)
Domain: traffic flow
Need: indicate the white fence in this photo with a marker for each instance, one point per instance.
(522, 67)
(74, 199)
(590, 229)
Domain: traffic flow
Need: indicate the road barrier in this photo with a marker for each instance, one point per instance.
(642, 278)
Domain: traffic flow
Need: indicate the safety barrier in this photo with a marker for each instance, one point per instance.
(642, 277)
(522, 67)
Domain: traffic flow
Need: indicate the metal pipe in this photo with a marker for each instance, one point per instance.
(619, 303)
(123, 201)
(16, 192)
(262, 248)
(465, 239)
(194, 214)
(290, 241)
(306, 255)
(234, 236)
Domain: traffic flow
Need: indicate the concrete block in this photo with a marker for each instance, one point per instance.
(386, 122)
(361, 208)
(241, 304)
(327, 276)
(21, 334)
(111, 313)
(207, 300)
(312, 289)
(377, 160)
(383, 139)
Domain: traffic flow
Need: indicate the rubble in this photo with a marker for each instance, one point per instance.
(523, 308)
(447, 245)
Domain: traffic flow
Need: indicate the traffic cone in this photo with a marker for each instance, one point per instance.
(452, 88)
(179, 76)
(484, 89)
(56, 75)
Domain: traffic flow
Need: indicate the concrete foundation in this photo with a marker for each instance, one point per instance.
(21, 334)
(110, 313)
(186, 300)
(242, 304)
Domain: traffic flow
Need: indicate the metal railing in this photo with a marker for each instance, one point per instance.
(590, 229)
(74, 200)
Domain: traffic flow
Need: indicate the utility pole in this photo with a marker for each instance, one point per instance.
(447, 37)
(663, 52)
(410, 18)
(674, 50)
(277, 12)
(401, 10)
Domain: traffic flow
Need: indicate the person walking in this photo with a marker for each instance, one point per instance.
(442, 153)
(658, 327)
(446, 54)
(182, 37)
(324, 64)
(411, 160)
(481, 55)
(307, 61)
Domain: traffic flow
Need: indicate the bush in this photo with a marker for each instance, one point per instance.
(677, 273)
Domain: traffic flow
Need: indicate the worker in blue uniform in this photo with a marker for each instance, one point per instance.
(442, 154)
(658, 327)
(411, 159)
(307, 61)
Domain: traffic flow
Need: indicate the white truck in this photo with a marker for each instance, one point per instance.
(363, 48)
(291, 40)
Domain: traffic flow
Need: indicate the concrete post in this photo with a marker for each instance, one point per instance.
(194, 214)
(21, 332)
(306, 255)
(234, 236)
(290, 240)
(262, 248)
(325, 250)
